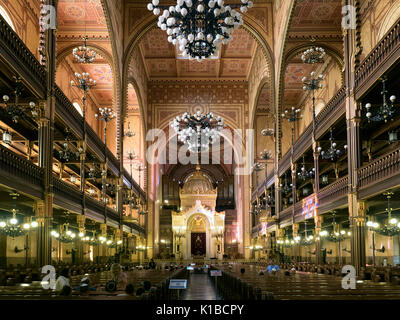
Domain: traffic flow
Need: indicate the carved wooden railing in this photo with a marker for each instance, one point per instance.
(67, 112)
(302, 143)
(266, 183)
(94, 142)
(334, 191)
(379, 170)
(284, 163)
(18, 167)
(333, 110)
(67, 191)
(286, 213)
(129, 179)
(112, 214)
(14, 51)
(298, 208)
(94, 205)
(382, 57)
(136, 227)
(112, 162)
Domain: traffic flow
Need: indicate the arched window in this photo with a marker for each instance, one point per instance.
(78, 107)
(6, 17)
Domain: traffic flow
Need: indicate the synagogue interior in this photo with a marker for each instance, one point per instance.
(250, 142)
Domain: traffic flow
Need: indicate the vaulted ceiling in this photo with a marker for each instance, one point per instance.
(164, 61)
(79, 18)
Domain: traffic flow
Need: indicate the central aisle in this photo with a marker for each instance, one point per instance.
(200, 287)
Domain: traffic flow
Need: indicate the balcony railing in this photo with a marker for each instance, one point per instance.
(16, 167)
(67, 191)
(380, 170)
(381, 58)
(334, 191)
(67, 112)
(17, 55)
(286, 213)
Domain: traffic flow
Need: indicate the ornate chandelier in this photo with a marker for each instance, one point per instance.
(286, 188)
(336, 235)
(313, 54)
(83, 54)
(199, 26)
(387, 111)
(392, 228)
(332, 153)
(12, 229)
(15, 109)
(198, 131)
(303, 173)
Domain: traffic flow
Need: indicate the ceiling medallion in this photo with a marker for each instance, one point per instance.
(198, 131)
(199, 26)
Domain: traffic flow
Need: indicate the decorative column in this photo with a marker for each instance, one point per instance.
(352, 51)
(81, 247)
(294, 195)
(296, 248)
(358, 230)
(102, 247)
(318, 247)
(42, 210)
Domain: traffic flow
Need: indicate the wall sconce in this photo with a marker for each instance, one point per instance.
(16, 250)
(393, 136)
(7, 137)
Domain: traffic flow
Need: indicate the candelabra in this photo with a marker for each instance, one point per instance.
(392, 227)
(85, 84)
(312, 84)
(308, 239)
(303, 173)
(129, 133)
(314, 54)
(292, 116)
(66, 154)
(83, 54)
(269, 132)
(286, 188)
(18, 110)
(387, 111)
(332, 153)
(106, 115)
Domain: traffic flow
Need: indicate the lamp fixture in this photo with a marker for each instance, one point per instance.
(198, 131)
(308, 239)
(387, 111)
(266, 154)
(286, 188)
(16, 110)
(13, 229)
(84, 82)
(258, 166)
(313, 84)
(129, 133)
(268, 132)
(199, 26)
(392, 226)
(65, 154)
(7, 137)
(325, 179)
(303, 173)
(314, 54)
(83, 54)
(332, 153)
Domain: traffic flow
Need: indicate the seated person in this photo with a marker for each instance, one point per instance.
(140, 291)
(119, 277)
(146, 285)
(129, 290)
(272, 268)
(152, 264)
(65, 291)
(62, 280)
